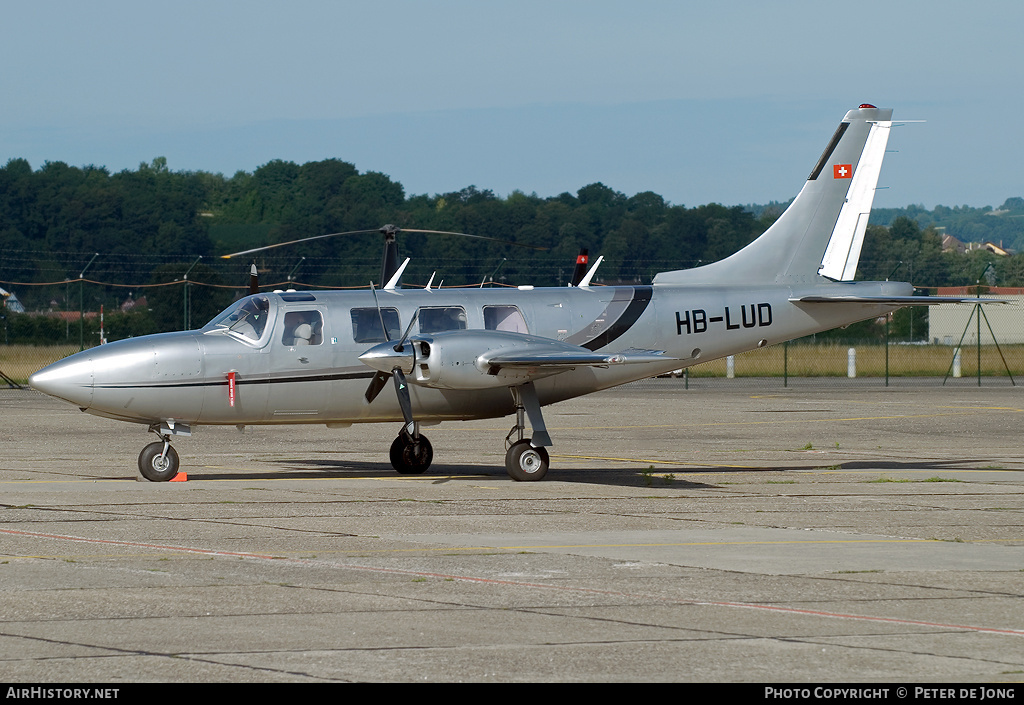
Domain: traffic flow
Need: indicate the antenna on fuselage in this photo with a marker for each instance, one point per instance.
(585, 282)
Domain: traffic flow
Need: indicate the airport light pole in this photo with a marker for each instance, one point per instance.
(291, 274)
(187, 322)
(81, 304)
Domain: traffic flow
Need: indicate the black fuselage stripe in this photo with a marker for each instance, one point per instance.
(635, 309)
(240, 381)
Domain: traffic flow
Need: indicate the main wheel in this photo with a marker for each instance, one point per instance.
(526, 463)
(411, 457)
(157, 469)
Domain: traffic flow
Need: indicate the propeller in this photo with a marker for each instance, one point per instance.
(389, 263)
(396, 361)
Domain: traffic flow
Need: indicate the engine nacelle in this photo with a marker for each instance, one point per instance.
(460, 360)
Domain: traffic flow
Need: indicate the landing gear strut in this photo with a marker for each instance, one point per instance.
(526, 459)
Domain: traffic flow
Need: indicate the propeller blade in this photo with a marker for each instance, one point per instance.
(402, 387)
(401, 343)
(383, 328)
(376, 384)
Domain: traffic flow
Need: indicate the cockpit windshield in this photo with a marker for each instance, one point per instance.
(247, 318)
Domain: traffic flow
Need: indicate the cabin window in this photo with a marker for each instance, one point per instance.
(437, 319)
(508, 318)
(303, 328)
(366, 325)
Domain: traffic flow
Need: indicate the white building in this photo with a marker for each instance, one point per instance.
(948, 322)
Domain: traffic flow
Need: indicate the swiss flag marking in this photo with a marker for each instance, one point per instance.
(842, 171)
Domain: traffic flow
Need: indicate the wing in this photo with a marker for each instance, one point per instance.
(564, 355)
(894, 300)
(483, 359)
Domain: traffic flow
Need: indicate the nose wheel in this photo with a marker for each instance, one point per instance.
(158, 462)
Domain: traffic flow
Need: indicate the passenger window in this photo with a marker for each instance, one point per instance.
(303, 328)
(434, 320)
(507, 318)
(366, 325)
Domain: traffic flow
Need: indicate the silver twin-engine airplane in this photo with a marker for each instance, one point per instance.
(301, 357)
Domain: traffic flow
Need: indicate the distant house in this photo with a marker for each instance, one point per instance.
(995, 249)
(951, 244)
(130, 304)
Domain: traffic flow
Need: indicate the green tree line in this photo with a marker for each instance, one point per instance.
(137, 231)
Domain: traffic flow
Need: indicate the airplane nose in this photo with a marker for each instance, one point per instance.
(70, 379)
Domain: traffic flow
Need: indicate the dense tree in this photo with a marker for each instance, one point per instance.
(150, 224)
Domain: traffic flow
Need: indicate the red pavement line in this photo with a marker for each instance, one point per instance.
(515, 583)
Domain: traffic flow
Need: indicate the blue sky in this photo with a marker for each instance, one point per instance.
(727, 102)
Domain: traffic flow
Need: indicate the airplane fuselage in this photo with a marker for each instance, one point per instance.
(219, 376)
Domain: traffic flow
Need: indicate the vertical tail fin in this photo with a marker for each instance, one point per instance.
(843, 251)
(822, 231)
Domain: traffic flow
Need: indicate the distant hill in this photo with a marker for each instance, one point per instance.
(1003, 226)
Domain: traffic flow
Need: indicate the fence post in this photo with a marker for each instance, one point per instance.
(851, 362)
(785, 364)
(956, 363)
(887, 317)
(730, 367)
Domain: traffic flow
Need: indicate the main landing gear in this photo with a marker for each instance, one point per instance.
(526, 459)
(526, 463)
(411, 453)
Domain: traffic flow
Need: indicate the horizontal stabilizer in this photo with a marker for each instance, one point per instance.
(894, 300)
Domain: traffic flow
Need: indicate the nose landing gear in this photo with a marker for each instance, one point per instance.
(158, 462)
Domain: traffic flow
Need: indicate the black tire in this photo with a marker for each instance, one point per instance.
(410, 457)
(526, 463)
(157, 469)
